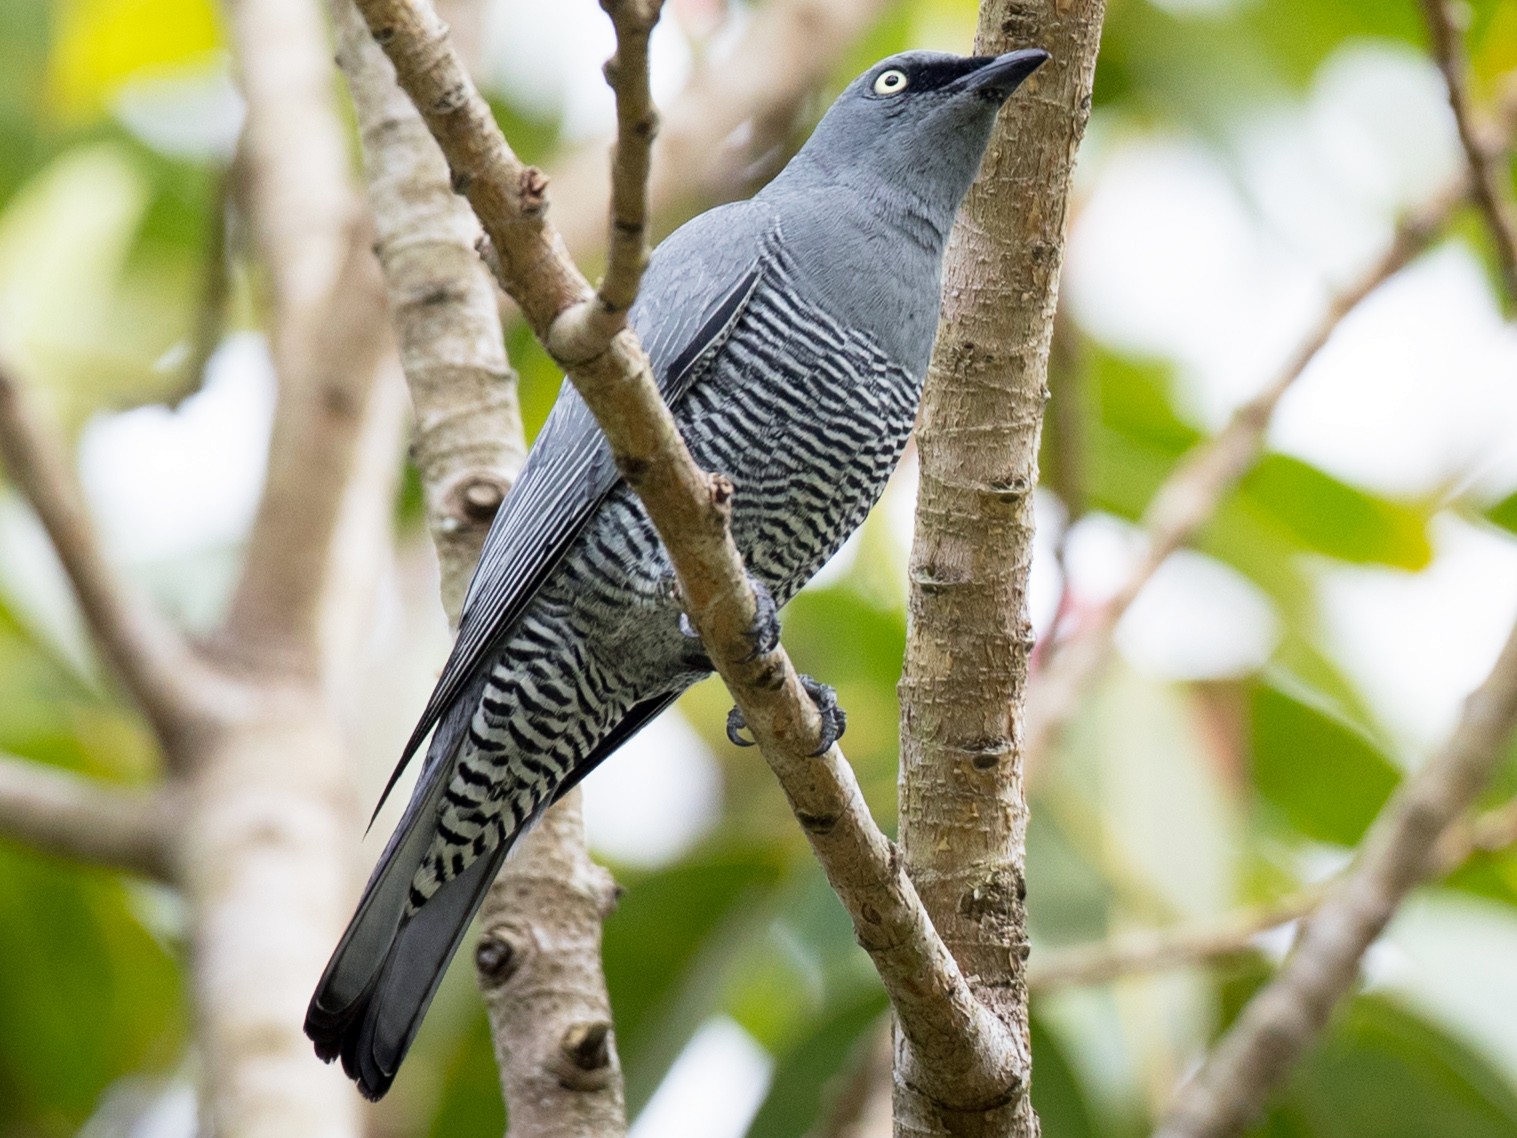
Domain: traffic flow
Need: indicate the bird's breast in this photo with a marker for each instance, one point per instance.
(808, 416)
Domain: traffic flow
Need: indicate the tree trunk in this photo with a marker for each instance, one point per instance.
(963, 810)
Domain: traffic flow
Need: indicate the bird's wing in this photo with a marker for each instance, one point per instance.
(697, 285)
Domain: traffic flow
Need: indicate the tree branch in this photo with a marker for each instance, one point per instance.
(1487, 178)
(736, 108)
(539, 954)
(1154, 950)
(585, 330)
(468, 443)
(690, 512)
(1399, 852)
(538, 961)
(158, 669)
(80, 818)
(295, 605)
(1203, 478)
(963, 808)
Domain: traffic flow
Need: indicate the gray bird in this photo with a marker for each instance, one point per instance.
(790, 335)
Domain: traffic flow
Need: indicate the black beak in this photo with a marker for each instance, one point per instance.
(999, 76)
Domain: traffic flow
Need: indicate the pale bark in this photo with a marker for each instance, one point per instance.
(539, 967)
(468, 443)
(539, 956)
(268, 846)
(963, 809)
(1401, 849)
(84, 819)
(266, 857)
(294, 606)
(257, 836)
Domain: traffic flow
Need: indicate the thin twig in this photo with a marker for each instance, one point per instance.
(1398, 853)
(584, 330)
(86, 820)
(1488, 176)
(1154, 950)
(690, 511)
(155, 664)
(738, 107)
(636, 128)
(1195, 489)
(1234, 934)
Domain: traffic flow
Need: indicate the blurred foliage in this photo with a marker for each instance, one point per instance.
(1169, 800)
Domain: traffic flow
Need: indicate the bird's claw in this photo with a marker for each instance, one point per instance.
(736, 725)
(764, 634)
(834, 718)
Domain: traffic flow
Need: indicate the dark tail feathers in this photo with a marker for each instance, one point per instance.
(385, 970)
(372, 998)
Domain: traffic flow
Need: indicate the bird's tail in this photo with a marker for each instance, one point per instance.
(386, 969)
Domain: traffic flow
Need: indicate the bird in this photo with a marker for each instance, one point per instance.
(790, 335)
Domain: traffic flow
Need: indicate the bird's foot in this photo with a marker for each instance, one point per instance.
(764, 633)
(694, 656)
(834, 718)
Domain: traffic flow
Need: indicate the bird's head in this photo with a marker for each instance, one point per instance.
(919, 120)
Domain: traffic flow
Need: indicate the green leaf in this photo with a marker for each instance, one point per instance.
(1383, 1073)
(471, 1099)
(1504, 513)
(1056, 1092)
(809, 1077)
(1333, 518)
(1328, 777)
(665, 952)
(1281, 508)
(87, 995)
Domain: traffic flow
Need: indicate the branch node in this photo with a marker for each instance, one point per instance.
(473, 499)
(817, 823)
(583, 332)
(719, 491)
(532, 192)
(588, 1045)
(496, 960)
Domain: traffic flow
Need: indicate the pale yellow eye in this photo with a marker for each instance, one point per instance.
(890, 82)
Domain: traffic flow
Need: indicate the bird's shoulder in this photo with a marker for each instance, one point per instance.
(692, 269)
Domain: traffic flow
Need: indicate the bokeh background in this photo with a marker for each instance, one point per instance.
(1272, 685)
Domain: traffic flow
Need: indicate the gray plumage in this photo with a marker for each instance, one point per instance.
(790, 335)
